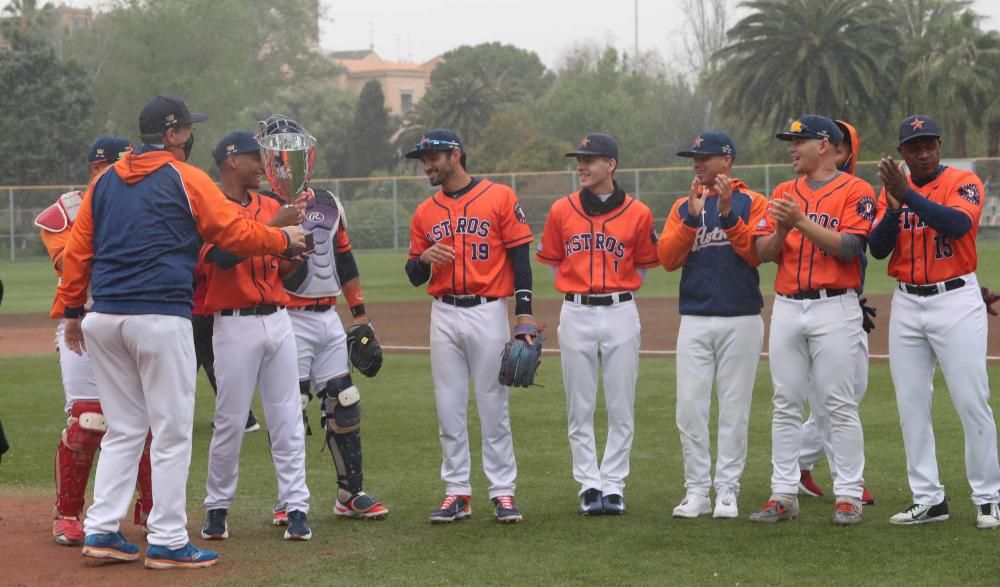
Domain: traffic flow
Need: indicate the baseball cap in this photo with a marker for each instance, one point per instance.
(108, 148)
(163, 112)
(710, 142)
(438, 139)
(596, 144)
(238, 142)
(916, 126)
(812, 126)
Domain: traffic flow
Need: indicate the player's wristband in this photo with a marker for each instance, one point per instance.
(358, 310)
(73, 313)
(522, 302)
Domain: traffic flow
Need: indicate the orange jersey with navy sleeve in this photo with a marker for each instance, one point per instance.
(54, 243)
(598, 254)
(481, 225)
(343, 244)
(252, 281)
(922, 255)
(846, 204)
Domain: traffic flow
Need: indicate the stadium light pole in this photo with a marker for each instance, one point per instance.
(635, 12)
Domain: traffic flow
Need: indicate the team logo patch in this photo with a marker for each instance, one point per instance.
(970, 193)
(797, 126)
(315, 216)
(519, 213)
(866, 208)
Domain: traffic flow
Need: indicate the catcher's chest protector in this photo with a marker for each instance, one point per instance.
(318, 276)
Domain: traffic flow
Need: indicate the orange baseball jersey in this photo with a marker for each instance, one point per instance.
(845, 204)
(343, 245)
(598, 254)
(481, 225)
(922, 255)
(252, 281)
(55, 223)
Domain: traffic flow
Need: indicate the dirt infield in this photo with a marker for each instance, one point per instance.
(405, 324)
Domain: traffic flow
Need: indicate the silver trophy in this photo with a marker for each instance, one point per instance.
(289, 154)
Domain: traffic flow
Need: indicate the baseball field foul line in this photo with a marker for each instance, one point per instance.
(406, 348)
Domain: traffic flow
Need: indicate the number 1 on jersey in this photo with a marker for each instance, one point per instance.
(942, 247)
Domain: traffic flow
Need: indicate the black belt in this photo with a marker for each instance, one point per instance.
(601, 300)
(815, 294)
(932, 289)
(261, 310)
(314, 308)
(465, 301)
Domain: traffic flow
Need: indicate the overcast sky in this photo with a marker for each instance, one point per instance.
(416, 30)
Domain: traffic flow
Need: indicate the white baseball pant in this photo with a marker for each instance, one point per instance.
(726, 350)
(321, 345)
(603, 339)
(77, 373)
(949, 329)
(257, 351)
(145, 372)
(813, 346)
(468, 342)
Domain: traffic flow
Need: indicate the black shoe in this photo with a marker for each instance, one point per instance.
(614, 505)
(506, 510)
(252, 425)
(298, 526)
(590, 503)
(215, 527)
(921, 514)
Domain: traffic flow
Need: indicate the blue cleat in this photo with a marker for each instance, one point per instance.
(590, 503)
(109, 545)
(614, 505)
(188, 556)
(298, 526)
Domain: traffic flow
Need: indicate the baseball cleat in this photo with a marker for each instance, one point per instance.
(866, 496)
(362, 506)
(591, 503)
(506, 510)
(68, 531)
(454, 507)
(693, 505)
(725, 504)
(807, 485)
(252, 424)
(108, 545)
(988, 516)
(614, 504)
(776, 510)
(216, 527)
(188, 556)
(921, 514)
(847, 512)
(298, 526)
(280, 518)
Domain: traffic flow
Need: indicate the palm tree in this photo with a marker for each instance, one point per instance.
(789, 57)
(25, 15)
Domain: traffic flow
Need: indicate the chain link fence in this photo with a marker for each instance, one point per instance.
(379, 208)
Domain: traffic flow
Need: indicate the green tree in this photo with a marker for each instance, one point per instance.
(24, 16)
(368, 145)
(46, 105)
(789, 57)
(224, 56)
(515, 141)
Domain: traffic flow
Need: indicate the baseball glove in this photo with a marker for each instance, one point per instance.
(989, 298)
(867, 313)
(520, 359)
(364, 349)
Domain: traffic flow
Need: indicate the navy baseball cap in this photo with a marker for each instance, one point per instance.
(108, 148)
(163, 112)
(812, 126)
(710, 142)
(596, 144)
(916, 126)
(238, 142)
(438, 139)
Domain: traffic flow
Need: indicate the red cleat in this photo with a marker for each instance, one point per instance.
(866, 496)
(807, 485)
(68, 531)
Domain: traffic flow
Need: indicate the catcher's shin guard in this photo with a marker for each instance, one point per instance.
(342, 418)
(305, 396)
(144, 484)
(75, 455)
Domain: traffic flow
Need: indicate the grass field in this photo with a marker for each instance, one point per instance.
(554, 545)
(30, 284)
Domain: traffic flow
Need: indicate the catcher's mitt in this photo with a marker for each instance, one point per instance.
(520, 359)
(364, 349)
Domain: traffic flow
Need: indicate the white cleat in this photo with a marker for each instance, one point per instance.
(988, 516)
(694, 505)
(725, 505)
